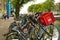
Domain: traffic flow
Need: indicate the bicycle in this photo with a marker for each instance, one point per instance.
(43, 32)
(49, 29)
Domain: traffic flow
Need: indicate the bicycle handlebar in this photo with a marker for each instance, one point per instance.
(37, 14)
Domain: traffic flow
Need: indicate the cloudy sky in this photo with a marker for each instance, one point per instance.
(24, 8)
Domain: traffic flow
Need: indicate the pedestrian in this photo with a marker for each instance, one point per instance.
(6, 16)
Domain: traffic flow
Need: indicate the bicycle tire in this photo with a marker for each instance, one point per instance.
(45, 28)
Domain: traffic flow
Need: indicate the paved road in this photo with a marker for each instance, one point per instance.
(4, 24)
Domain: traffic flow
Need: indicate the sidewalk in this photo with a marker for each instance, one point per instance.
(4, 24)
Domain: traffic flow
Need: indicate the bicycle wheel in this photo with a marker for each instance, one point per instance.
(12, 36)
(51, 32)
(35, 33)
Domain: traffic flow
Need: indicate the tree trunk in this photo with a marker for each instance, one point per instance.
(17, 9)
(17, 13)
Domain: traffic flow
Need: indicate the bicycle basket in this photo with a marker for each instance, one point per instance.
(46, 18)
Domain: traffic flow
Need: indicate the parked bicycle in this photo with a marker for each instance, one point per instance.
(35, 25)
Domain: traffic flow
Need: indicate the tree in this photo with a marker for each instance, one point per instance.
(17, 4)
(46, 6)
(34, 8)
(59, 7)
(49, 4)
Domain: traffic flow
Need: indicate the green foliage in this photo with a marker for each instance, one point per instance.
(59, 7)
(46, 6)
(17, 4)
(49, 4)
